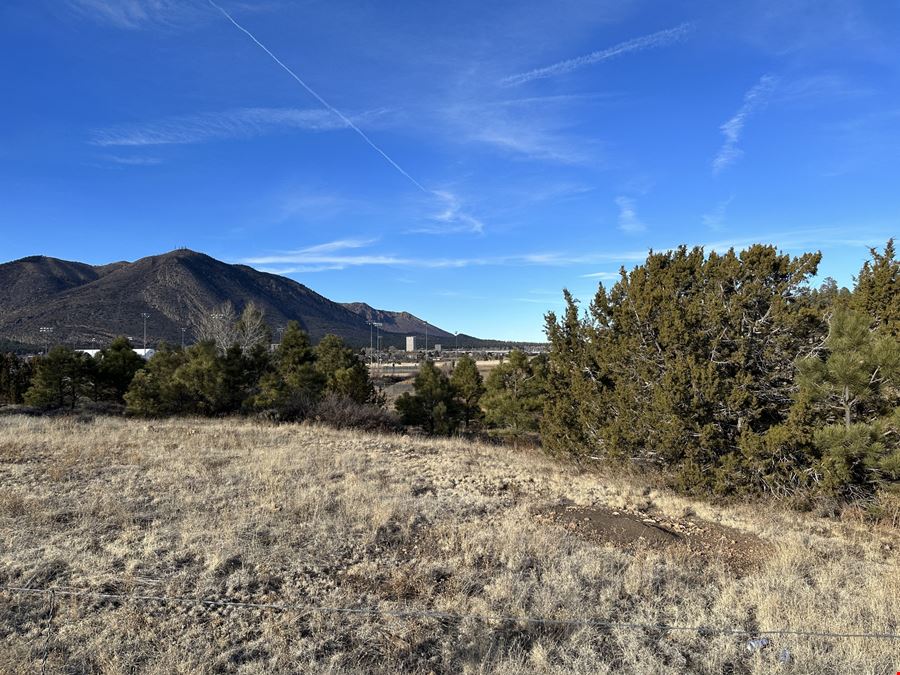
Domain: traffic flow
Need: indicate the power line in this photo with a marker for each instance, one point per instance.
(321, 100)
(440, 615)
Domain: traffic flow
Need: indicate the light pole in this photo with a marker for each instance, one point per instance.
(145, 316)
(183, 329)
(372, 326)
(456, 343)
(46, 331)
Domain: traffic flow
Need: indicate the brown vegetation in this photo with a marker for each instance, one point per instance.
(314, 517)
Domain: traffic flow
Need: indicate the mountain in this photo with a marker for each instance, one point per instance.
(82, 302)
(396, 322)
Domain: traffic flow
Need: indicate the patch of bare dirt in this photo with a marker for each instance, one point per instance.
(738, 550)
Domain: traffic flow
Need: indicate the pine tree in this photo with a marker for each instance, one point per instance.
(856, 369)
(344, 374)
(433, 406)
(514, 395)
(877, 291)
(200, 380)
(15, 378)
(854, 384)
(468, 387)
(154, 391)
(294, 385)
(60, 379)
(116, 368)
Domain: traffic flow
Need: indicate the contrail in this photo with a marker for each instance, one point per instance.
(321, 100)
(657, 39)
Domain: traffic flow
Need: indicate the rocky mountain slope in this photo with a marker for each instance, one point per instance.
(83, 302)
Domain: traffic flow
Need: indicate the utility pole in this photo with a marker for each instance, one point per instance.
(183, 329)
(46, 331)
(426, 339)
(373, 325)
(145, 316)
(456, 344)
(378, 345)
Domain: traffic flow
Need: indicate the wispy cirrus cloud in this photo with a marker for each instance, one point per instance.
(628, 218)
(755, 99)
(132, 161)
(539, 128)
(716, 218)
(516, 130)
(136, 14)
(337, 245)
(657, 39)
(602, 276)
(330, 256)
(140, 14)
(229, 124)
(452, 218)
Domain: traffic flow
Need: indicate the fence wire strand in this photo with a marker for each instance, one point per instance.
(436, 614)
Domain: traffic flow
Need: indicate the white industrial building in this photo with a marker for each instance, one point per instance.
(143, 353)
(410, 343)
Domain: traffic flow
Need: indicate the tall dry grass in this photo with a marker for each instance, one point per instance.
(310, 516)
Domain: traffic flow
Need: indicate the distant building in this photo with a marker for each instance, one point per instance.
(143, 353)
(410, 343)
(437, 348)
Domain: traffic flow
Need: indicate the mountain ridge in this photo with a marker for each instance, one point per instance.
(85, 304)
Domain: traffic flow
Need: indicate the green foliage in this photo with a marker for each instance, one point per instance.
(61, 379)
(877, 290)
(344, 374)
(684, 357)
(294, 385)
(514, 395)
(196, 381)
(854, 372)
(116, 367)
(200, 380)
(154, 391)
(15, 378)
(433, 406)
(204, 380)
(468, 388)
(854, 457)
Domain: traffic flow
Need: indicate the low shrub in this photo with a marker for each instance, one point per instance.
(342, 412)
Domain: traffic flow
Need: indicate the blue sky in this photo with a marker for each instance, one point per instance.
(476, 157)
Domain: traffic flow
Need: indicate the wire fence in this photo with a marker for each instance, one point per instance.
(707, 631)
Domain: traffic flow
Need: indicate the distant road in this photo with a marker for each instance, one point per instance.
(411, 368)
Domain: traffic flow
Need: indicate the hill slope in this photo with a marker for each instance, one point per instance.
(82, 302)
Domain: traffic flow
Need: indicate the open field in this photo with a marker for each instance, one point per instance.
(316, 518)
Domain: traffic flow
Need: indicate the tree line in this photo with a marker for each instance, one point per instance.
(727, 374)
(730, 373)
(232, 370)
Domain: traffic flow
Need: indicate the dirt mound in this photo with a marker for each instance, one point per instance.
(613, 526)
(739, 551)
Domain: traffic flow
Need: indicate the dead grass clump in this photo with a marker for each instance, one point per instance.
(310, 517)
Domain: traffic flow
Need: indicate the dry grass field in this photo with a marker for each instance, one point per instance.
(315, 518)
